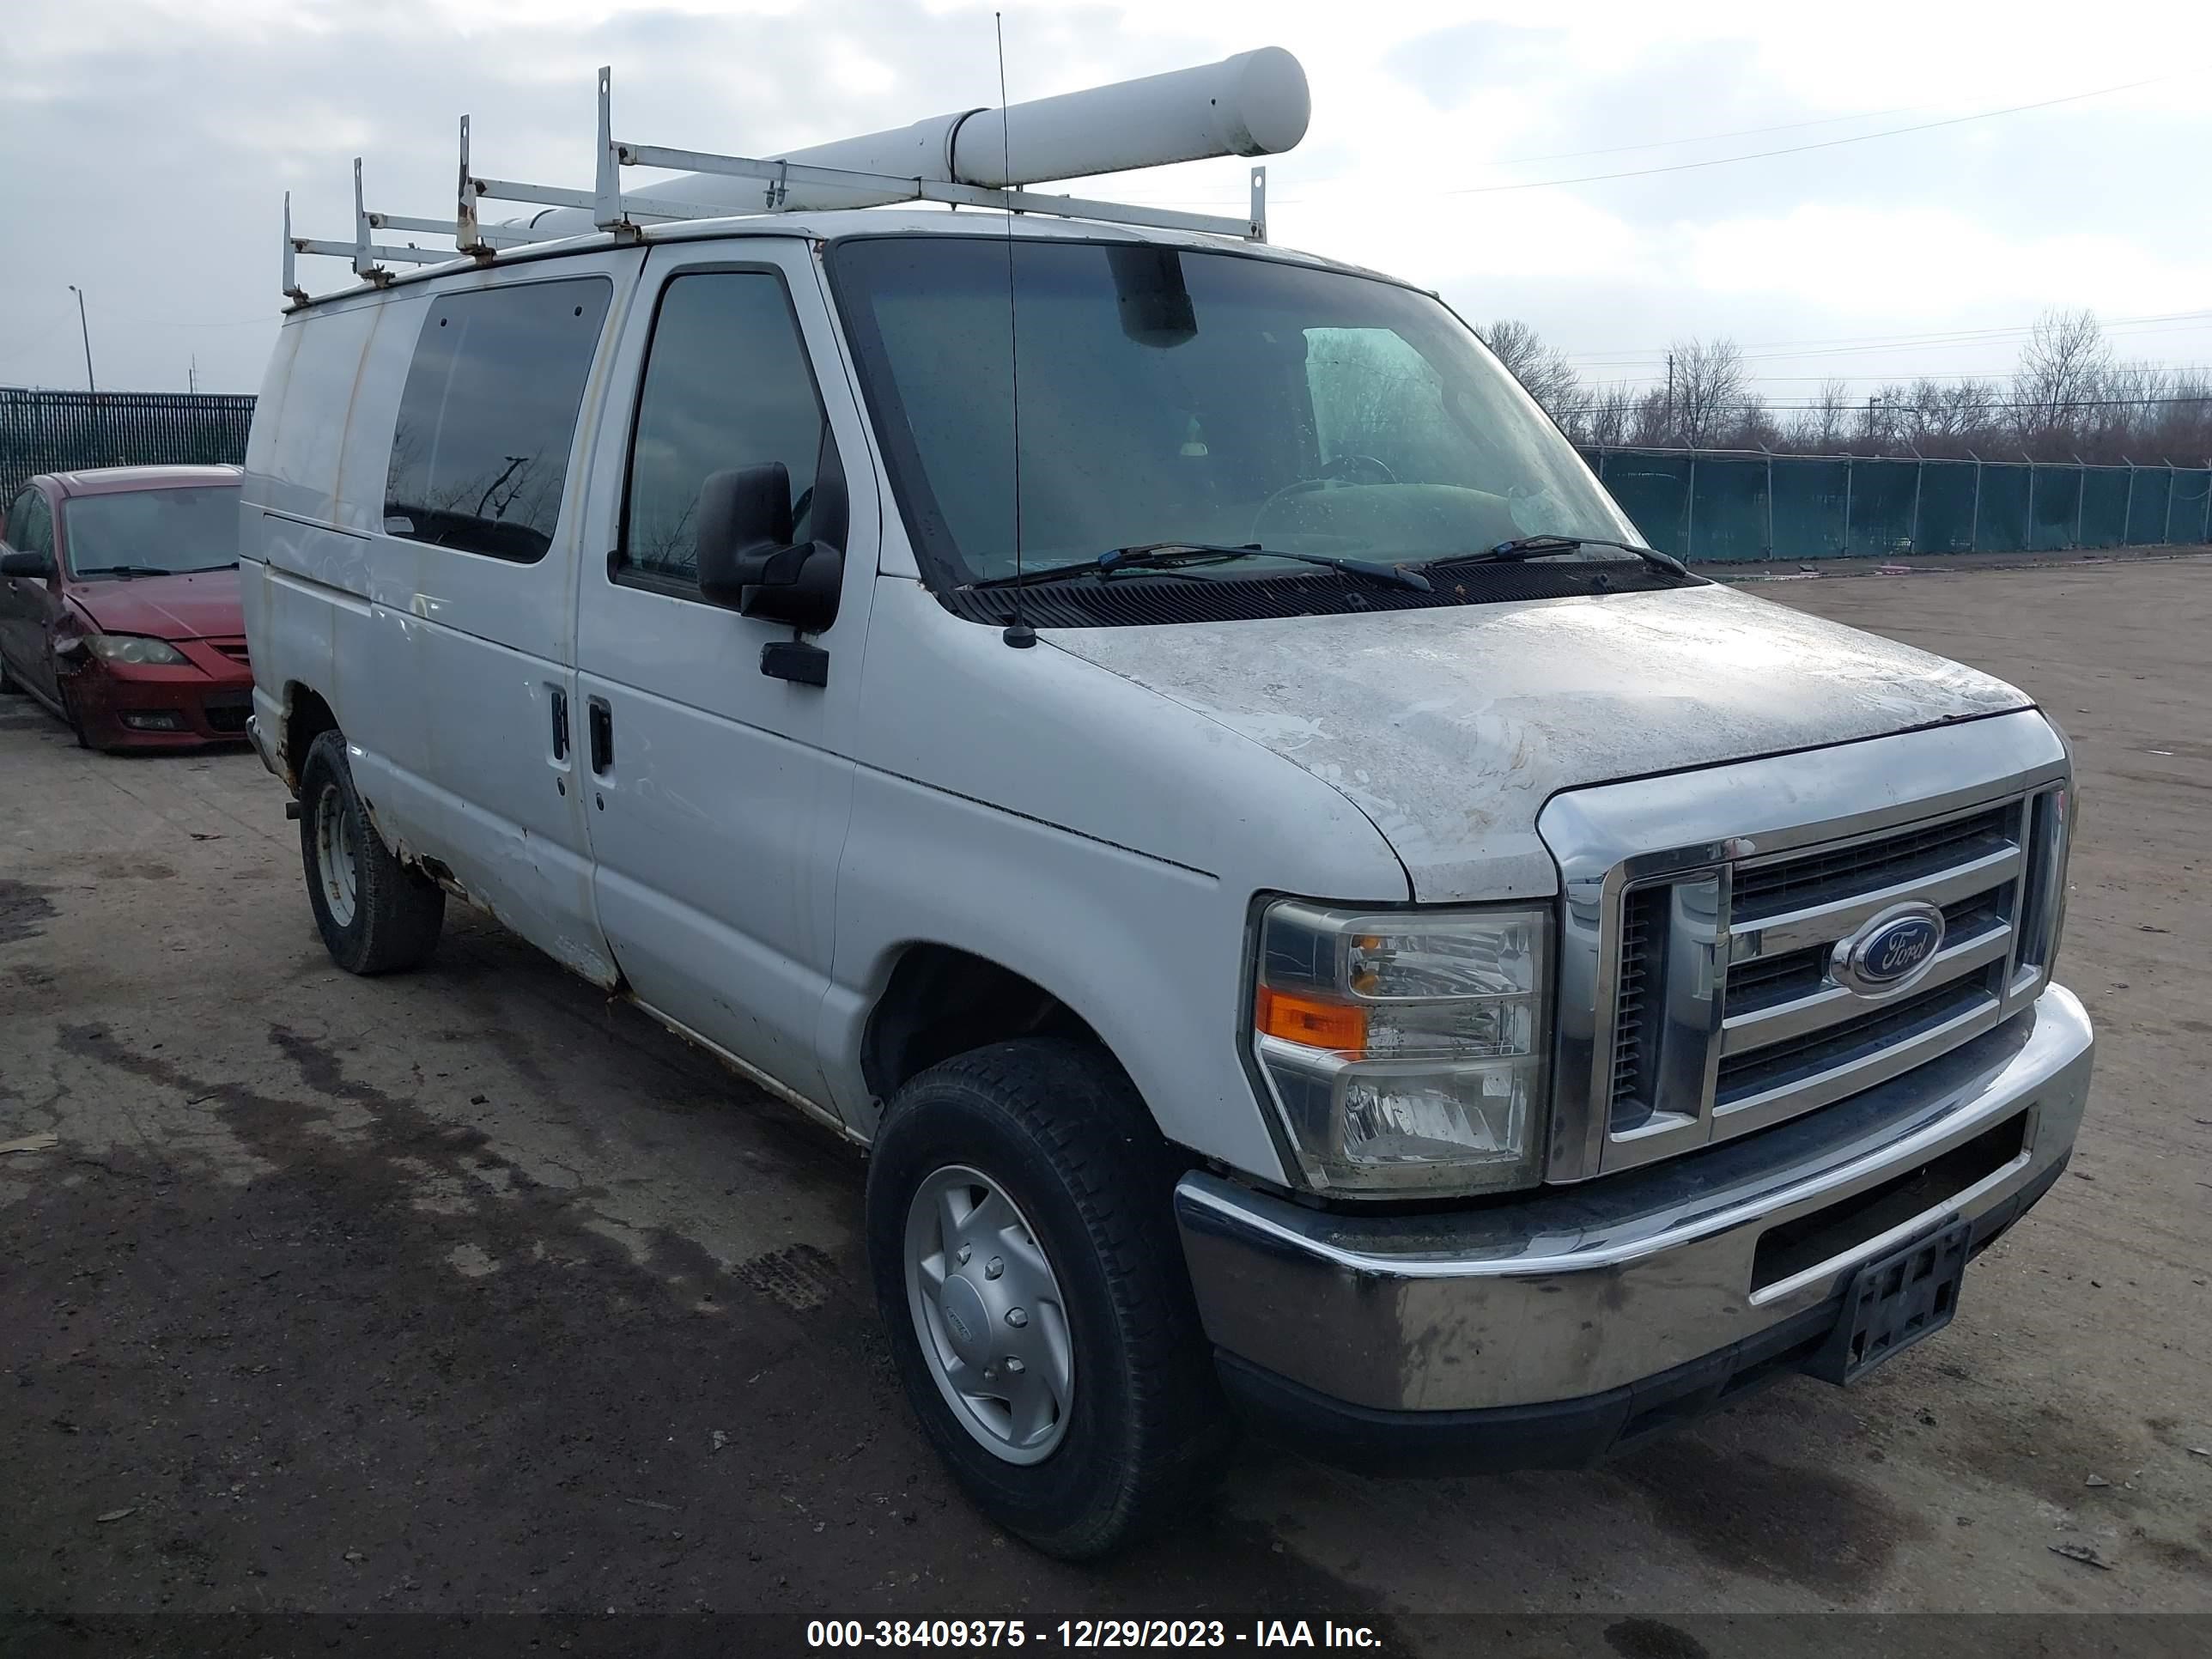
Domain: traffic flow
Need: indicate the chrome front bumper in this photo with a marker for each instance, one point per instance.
(1593, 1290)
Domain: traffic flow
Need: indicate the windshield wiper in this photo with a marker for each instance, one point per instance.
(202, 569)
(1537, 547)
(1175, 556)
(129, 570)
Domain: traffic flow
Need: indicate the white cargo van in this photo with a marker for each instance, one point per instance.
(1160, 740)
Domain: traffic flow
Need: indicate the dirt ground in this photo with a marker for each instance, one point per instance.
(468, 1293)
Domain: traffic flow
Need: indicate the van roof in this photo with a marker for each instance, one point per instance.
(849, 222)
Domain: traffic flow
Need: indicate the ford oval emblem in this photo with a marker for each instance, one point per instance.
(1892, 952)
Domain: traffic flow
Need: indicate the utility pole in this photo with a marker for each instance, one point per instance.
(84, 328)
(192, 375)
(1669, 433)
(1871, 402)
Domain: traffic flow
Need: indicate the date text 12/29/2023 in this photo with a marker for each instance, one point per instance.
(1084, 1633)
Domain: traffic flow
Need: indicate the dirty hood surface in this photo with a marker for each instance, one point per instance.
(1451, 728)
(204, 604)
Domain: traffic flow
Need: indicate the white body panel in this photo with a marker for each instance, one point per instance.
(716, 833)
(441, 665)
(1098, 814)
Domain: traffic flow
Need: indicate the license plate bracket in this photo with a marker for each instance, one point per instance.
(1895, 1300)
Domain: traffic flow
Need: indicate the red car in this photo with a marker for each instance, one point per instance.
(119, 604)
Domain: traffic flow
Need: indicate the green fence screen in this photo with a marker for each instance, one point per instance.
(61, 431)
(1705, 505)
(2185, 508)
(1724, 504)
(1950, 497)
(2104, 507)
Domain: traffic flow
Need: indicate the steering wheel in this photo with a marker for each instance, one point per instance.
(1342, 467)
(1333, 473)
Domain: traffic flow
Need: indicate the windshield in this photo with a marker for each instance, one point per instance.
(158, 531)
(1168, 395)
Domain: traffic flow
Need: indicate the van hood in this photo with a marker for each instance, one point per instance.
(1450, 728)
(202, 605)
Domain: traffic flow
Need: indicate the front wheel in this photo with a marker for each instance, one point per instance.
(1027, 1270)
(375, 914)
(76, 721)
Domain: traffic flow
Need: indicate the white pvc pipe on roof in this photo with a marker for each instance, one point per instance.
(1253, 104)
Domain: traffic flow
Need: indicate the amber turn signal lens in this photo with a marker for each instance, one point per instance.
(1311, 1021)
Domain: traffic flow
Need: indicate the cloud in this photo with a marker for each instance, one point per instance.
(157, 137)
(1448, 66)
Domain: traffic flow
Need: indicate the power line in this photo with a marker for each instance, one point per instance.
(2123, 327)
(1798, 149)
(1702, 139)
(1938, 335)
(1790, 404)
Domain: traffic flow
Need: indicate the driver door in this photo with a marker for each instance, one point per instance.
(718, 793)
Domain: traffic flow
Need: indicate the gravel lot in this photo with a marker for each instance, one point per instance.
(471, 1292)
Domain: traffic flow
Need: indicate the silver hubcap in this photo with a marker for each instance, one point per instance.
(337, 864)
(988, 1312)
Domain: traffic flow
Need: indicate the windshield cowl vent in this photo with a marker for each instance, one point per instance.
(1139, 600)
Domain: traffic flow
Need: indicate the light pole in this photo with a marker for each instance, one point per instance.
(85, 328)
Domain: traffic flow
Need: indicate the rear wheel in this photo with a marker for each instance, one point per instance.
(1029, 1273)
(375, 914)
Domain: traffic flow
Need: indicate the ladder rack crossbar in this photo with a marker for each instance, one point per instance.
(377, 252)
(624, 213)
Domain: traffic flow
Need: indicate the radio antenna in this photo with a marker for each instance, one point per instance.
(1018, 633)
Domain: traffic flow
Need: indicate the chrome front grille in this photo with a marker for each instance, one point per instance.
(1717, 1006)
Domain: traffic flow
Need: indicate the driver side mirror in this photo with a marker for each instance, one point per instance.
(39, 566)
(746, 558)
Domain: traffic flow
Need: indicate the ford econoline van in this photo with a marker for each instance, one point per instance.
(1158, 738)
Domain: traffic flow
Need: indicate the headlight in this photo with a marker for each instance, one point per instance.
(1406, 1050)
(135, 647)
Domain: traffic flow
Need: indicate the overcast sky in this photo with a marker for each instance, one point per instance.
(145, 144)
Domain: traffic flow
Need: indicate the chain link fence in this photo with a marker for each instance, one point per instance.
(1723, 505)
(59, 431)
(1707, 505)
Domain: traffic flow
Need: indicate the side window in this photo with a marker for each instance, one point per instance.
(31, 523)
(726, 385)
(480, 452)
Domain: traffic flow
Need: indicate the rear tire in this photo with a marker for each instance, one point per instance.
(376, 915)
(1045, 1142)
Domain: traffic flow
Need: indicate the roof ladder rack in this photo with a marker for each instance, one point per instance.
(624, 215)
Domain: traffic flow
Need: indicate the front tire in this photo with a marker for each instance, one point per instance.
(1084, 1412)
(76, 721)
(376, 915)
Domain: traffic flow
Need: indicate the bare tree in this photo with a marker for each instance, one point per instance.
(2061, 371)
(1544, 370)
(1755, 426)
(1652, 421)
(1818, 426)
(1606, 416)
(1709, 387)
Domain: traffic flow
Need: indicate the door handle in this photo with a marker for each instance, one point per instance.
(560, 724)
(601, 719)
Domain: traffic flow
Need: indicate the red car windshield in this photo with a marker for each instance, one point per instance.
(152, 533)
